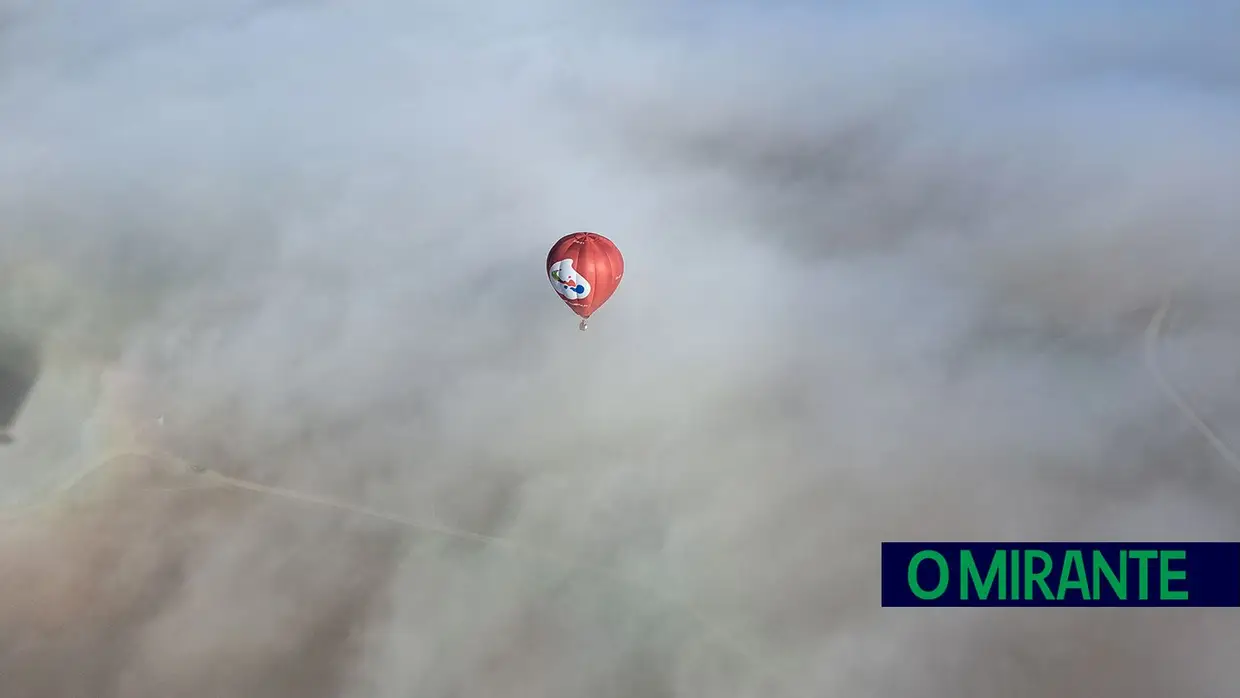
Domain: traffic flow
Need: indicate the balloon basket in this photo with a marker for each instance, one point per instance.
(583, 325)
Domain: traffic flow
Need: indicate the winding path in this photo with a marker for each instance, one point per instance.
(1153, 332)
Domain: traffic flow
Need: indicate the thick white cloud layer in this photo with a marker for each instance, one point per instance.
(888, 274)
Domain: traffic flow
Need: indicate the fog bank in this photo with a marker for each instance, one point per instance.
(889, 275)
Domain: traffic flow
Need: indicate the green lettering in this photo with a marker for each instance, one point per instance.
(1038, 577)
(1143, 576)
(1167, 574)
(1073, 563)
(970, 573)
(944, 575)
(1102, 568)
(1015, 593)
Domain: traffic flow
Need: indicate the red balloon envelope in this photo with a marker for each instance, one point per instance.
(585, 269)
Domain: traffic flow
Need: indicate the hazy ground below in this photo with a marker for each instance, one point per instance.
(310, 421)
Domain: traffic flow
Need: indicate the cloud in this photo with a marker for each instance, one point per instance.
(887, 276)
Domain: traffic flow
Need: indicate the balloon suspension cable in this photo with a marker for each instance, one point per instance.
(583, 325)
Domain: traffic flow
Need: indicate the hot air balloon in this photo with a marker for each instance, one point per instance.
(585, 269)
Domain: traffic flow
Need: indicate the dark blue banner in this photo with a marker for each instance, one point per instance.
(1061, 574)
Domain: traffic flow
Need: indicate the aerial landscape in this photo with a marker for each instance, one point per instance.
(291, 408)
